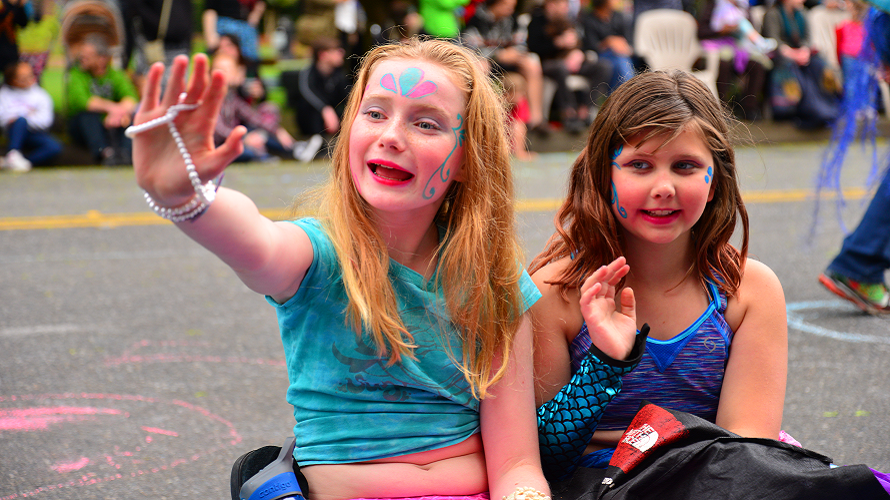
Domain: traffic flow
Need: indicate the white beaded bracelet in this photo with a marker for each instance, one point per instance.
(526, 493)
(204, 193)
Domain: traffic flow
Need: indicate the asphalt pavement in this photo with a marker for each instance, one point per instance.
(133, 364)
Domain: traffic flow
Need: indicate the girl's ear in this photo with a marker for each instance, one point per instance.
(712, 189)
(459, 175)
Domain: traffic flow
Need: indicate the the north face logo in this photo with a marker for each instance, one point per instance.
(642, 439)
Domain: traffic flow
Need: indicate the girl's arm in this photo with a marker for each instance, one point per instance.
(270, 257)
(753, 392)
(509, 433)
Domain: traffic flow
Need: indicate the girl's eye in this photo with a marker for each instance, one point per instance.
(685, 166)
(374, 115)
(427, 126)
(638, 165)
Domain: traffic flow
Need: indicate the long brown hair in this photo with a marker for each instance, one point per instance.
(648, 105)
(479, 257)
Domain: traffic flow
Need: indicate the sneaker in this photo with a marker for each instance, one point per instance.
(305, 151)
(16, 162)
(873, 298)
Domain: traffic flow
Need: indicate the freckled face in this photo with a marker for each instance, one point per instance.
(406, 143)
(657, 196)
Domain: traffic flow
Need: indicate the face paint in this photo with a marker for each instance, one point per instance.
(709, 175)
(615, 154)
(621, 211)
(411, 84)
(442, 174)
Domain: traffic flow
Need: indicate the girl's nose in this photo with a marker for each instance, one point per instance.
(393, 135)
(663, 187)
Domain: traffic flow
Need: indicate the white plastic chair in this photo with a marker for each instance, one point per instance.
(821, 23)
(668, 39)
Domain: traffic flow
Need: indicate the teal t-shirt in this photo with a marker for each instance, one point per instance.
(349, 405)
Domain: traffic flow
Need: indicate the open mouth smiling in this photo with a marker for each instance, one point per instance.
(389, 172)
(660, 213)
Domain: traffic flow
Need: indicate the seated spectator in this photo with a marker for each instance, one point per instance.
(264, 135)
(494, 33)
(320, 91)
(101, 102)
(515, 94)
(607, 32)
(253, 90)
(732, 16)
(803, 88)
(741, 76)
(555, 39)
(26, 113)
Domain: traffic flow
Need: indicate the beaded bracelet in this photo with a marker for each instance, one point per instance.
(204, 193)
(526, 493)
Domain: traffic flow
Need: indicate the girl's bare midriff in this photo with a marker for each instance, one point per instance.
(454, 470)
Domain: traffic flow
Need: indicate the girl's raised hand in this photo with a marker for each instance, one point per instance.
(611, 330)
(157, 161)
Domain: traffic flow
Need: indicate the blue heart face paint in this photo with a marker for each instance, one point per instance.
(406, 142)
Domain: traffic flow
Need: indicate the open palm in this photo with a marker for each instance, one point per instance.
(157, 161)
(611, 330)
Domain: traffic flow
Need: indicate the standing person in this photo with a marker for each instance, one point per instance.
(26, 114)
(12, 15)
(319, 93)
(412, 272)
(644, 235)
(857, 272)
(237, 17)
(101, 101)
(158, 31)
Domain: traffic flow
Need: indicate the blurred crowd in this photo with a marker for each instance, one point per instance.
(557, 61)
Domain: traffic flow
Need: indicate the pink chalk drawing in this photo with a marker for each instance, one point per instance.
(142, 447)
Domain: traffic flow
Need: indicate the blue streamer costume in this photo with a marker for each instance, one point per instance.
(865, 254)
(859, 106)
(567, 422)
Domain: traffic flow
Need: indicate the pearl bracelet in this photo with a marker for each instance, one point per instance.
(204, 193)
(526, 493)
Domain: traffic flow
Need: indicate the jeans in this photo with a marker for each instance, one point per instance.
(622, 68)
(88, 129)
(865, 253)
(41, 146)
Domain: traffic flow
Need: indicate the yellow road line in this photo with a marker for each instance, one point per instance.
(94, 218)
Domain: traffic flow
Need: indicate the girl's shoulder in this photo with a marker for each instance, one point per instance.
(557, 309)
(759, 293)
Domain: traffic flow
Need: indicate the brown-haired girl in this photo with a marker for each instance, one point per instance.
(644, 237)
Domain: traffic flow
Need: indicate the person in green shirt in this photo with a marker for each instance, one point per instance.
(101, 103)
